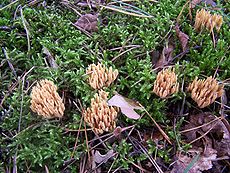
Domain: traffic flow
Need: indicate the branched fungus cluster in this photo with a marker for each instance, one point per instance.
(206, 20)
(45, 100)
(205, 92)
(99, 116)
(166, 83)
(100, 76)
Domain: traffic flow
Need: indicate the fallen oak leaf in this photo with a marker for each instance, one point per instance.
(183, 38)
(126, 105)
(88, 22)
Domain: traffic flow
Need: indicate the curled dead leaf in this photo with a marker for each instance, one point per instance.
(100, 158)
(88, 22)
(183, 38)
(126, 105)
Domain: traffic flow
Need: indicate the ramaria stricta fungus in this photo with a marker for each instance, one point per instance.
(205, 19)
(45, 101)
(205, 92)
(101, 117)
(166, 83)
(100, 76)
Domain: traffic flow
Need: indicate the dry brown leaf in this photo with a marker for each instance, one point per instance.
(88, 22)
(100, 158)
(209, 2)
(182, 37)
(203, 162)
(166, 56)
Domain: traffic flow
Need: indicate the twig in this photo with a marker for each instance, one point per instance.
(75, 145)
(22, 100)
(84, 31)
(26, 29)
(203, 134)
(112, 164)
(178, 17)
(159, 128)
(8, 61)
(137, 46)
(134, 164)
(187, 130)
(12, 3)
(149, 156)
(87, 143)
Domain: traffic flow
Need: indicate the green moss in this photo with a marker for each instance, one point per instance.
(42, 142)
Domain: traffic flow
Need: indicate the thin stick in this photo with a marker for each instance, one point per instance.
(26, 29)
(159, 128)
(78, 133)
(178, 17)
(138, 46)
(203, 134)
(12, 3)
(87, 143)
(22, 100)
(137, 166)
(187, 130)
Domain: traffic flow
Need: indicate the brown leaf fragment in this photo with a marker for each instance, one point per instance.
(88, 22)
(50, 58)
(166, 56)
(99, 158)
(155, 56)
(183, 38)
(193, 3)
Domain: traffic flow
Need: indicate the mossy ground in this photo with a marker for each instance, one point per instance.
(36, 142)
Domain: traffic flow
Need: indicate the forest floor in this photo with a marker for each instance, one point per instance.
(125, 94)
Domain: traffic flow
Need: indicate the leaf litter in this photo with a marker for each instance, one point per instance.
(214, 144)
(166, 56)
(88, 22)
(126, 105)
(183, 38)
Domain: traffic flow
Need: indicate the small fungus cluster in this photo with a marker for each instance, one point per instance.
(205, 92)
(99, 76)
(166, 83)
(45, 100)
(206, 20)
(99, 115)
